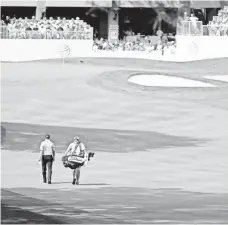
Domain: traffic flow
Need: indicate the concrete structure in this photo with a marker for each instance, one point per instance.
(188, 48)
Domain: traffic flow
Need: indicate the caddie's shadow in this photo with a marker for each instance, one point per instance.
(64, 182)
(83, 184)
(94, 184)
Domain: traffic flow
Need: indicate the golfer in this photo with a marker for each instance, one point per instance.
(47, 156)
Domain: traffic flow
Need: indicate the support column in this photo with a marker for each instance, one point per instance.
(113, 24)
(211, 13)
(40, 8)
(204, 13)
(185, 8)
(103, 24)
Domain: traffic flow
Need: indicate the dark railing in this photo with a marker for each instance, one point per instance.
(190, 28)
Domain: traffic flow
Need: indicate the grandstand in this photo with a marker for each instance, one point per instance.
(113, 19)
(123, 30)
(153, 30)
(24, 28)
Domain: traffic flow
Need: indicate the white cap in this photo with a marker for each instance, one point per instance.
(76, 138)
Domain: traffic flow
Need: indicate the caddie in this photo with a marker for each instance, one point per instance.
(76, 148)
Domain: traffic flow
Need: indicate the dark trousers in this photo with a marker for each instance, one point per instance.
(47, 161)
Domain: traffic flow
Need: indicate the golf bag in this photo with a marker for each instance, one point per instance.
(75, 161)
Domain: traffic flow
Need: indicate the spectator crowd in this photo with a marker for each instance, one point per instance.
(45, 28)
(62, 28)
(217, 27)
(162, 45)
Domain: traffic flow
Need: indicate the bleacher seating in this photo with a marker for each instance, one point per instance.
(141, 45)
(60, 28)
(219, 25)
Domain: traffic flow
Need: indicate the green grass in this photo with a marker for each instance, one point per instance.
(144, 139)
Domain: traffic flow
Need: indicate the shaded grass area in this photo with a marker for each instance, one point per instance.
(3, 134)
(14, 215)
(113, 205)
(21, 209)
(28, 137)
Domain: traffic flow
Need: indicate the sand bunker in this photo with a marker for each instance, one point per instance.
(166, 81)
(218, 78)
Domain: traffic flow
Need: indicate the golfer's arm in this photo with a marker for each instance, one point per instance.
(53, 150)
(41, 152)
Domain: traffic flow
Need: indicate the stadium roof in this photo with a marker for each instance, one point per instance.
(170, 3)
(148, 3)
(208, 4)
(59, 3)
(119, 3)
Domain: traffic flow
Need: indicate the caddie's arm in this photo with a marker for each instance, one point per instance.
(83, 147)
(68, 149)
(41, 151)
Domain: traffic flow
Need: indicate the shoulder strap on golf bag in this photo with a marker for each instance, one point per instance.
(75, 148)
(82, 152)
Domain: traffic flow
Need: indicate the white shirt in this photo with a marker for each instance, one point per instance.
(193, 19)
(47, 147)
(72, 148)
